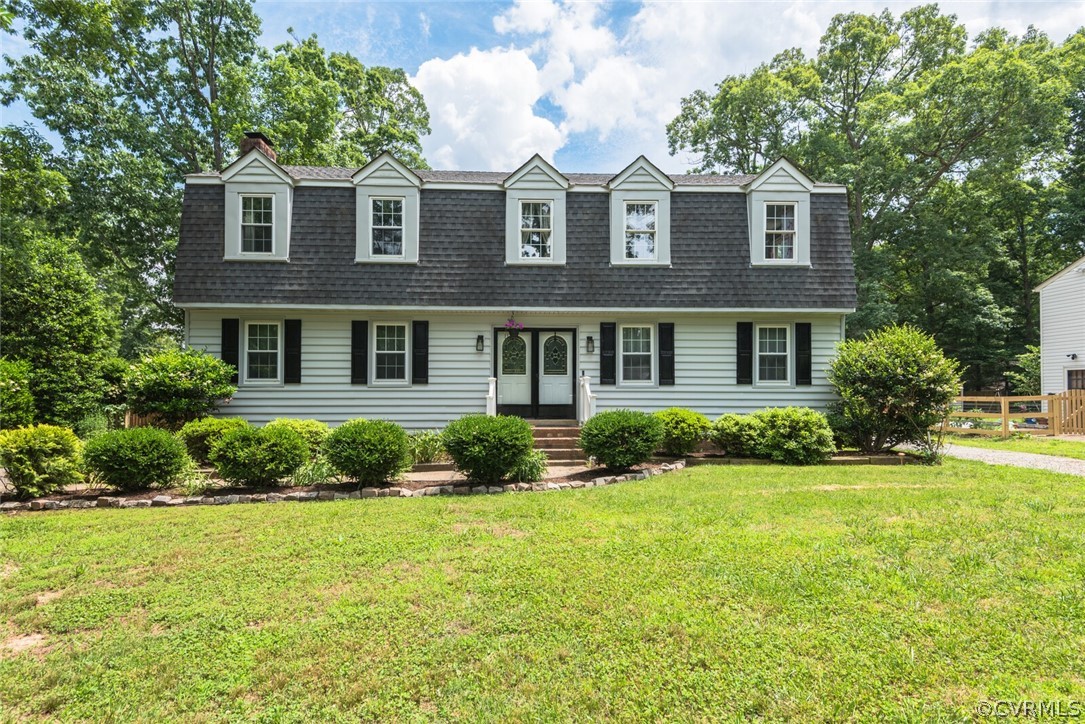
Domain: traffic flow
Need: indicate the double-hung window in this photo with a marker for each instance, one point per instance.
(640, 230)
(387, 226)
(390, 352)
(536, 227)
(262, 352)
(780, 232)
(772, 355)
(636, 354)
(257, 224)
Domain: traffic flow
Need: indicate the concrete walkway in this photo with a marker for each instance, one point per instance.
(1017, 459)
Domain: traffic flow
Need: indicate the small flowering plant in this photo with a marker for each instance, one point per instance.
(513, 326)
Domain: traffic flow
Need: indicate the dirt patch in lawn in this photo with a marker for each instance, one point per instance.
(33, 644)
(46, 596)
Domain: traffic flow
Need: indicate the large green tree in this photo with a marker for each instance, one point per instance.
(947, 150)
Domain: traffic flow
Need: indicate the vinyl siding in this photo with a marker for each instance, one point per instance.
(704, 366)
(1062, 329)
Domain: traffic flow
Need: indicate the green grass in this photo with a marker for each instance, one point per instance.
(715, 593)
(1038, 445)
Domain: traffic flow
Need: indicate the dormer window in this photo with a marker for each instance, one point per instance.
(640, 229)
(780, 232)
(536, 228)
(257, 224)
(387, 227)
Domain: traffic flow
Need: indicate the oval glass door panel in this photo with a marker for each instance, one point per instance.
(513, 371)
(556, 385)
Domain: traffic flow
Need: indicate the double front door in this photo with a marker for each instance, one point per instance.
(535, 373)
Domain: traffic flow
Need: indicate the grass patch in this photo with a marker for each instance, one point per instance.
(1038, 445)
(717, 592)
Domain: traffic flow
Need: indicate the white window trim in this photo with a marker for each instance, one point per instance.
(758, 202)
(403, 228)
(765, 232)
(757, 354)
(513, 199)
(241, 225)
(653, 355)
(373, 380)
(281, 204)
(521, 230)
(364, 196)
(618, 201)
(625, 230)
(244, 376)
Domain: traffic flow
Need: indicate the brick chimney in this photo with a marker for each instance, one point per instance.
(257, 140)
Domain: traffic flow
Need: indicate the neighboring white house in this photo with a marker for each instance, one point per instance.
(420, 296)
(1062, 330)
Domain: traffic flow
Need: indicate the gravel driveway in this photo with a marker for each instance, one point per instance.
(1018, 459)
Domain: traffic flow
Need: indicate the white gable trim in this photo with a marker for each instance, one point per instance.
(537, 162)
(641, 164)
(255, 156)
(781, 164)
(1078, 265)
(386, 159)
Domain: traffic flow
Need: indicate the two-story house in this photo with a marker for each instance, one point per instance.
(419, 296)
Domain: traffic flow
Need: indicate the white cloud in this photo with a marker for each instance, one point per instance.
(424, 25)
(481, 105)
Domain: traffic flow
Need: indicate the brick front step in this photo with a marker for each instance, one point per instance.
(565, 454)
(556, 443)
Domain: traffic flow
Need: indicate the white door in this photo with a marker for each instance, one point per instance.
(556, 381)
(513, 370)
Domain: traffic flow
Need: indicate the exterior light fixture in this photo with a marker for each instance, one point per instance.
(480, 343)
(1072, 356)
(591, 344)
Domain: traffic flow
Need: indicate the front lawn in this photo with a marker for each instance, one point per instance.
(1038, 445)
(817, 594)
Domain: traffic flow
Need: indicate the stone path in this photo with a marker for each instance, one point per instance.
(1018, 459)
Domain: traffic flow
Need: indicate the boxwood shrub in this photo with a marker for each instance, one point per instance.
(200, 435)
(369, 451)
(136, 458)
(41, 459)
(258, 456)
(683, 430)
(620, 439)
(488, 449)
(738, 435)
(314, 432)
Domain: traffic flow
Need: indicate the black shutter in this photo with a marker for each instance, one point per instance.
(666, 353)
(292, 351)
(231, 339)
(420, 353)
(804, 358)
(359, 353)
(608, 333)
(745, 353)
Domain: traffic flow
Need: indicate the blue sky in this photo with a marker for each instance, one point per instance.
(588, 85)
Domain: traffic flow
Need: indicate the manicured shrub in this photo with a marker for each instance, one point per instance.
(199, 436)
(136, 458)
(893, 385)
(368, 451)
(737, 435)
(531, 468)
(794, 436)
(620, 439)
(426, 447)
(682, 430)
(314, 432)
(16, 399)
(258, 456)
(41, 459)
(178, 386)
(487, 449)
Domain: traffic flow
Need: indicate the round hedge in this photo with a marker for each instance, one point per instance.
(200, 435)
(683, 430)
(488, 449)
(314, 432)
(368, 451)
(737, 435)
(258, 456)
(795, 436)
(136, 458)
(620, 439)
(40, 459)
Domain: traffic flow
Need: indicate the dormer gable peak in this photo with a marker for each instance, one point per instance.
(639, 173)
(536, 173)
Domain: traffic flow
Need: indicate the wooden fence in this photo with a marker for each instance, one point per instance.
(1061, 414)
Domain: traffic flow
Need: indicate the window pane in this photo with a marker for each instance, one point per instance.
(772, 340)
(636, 339)
(256, 224)
(636, 354)
(640, 245)
(262, 351)
(256, 239)
(514, 356)
(555, 356)
(388, 213)
(772, 354)
(534, 244)
(772, 368)
(388, 242)
(640, 217)
(391, 352)
(780, 231)
(391, 338)
(534, 215)
(391, 366)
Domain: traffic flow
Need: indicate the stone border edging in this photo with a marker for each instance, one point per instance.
(167, 501)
